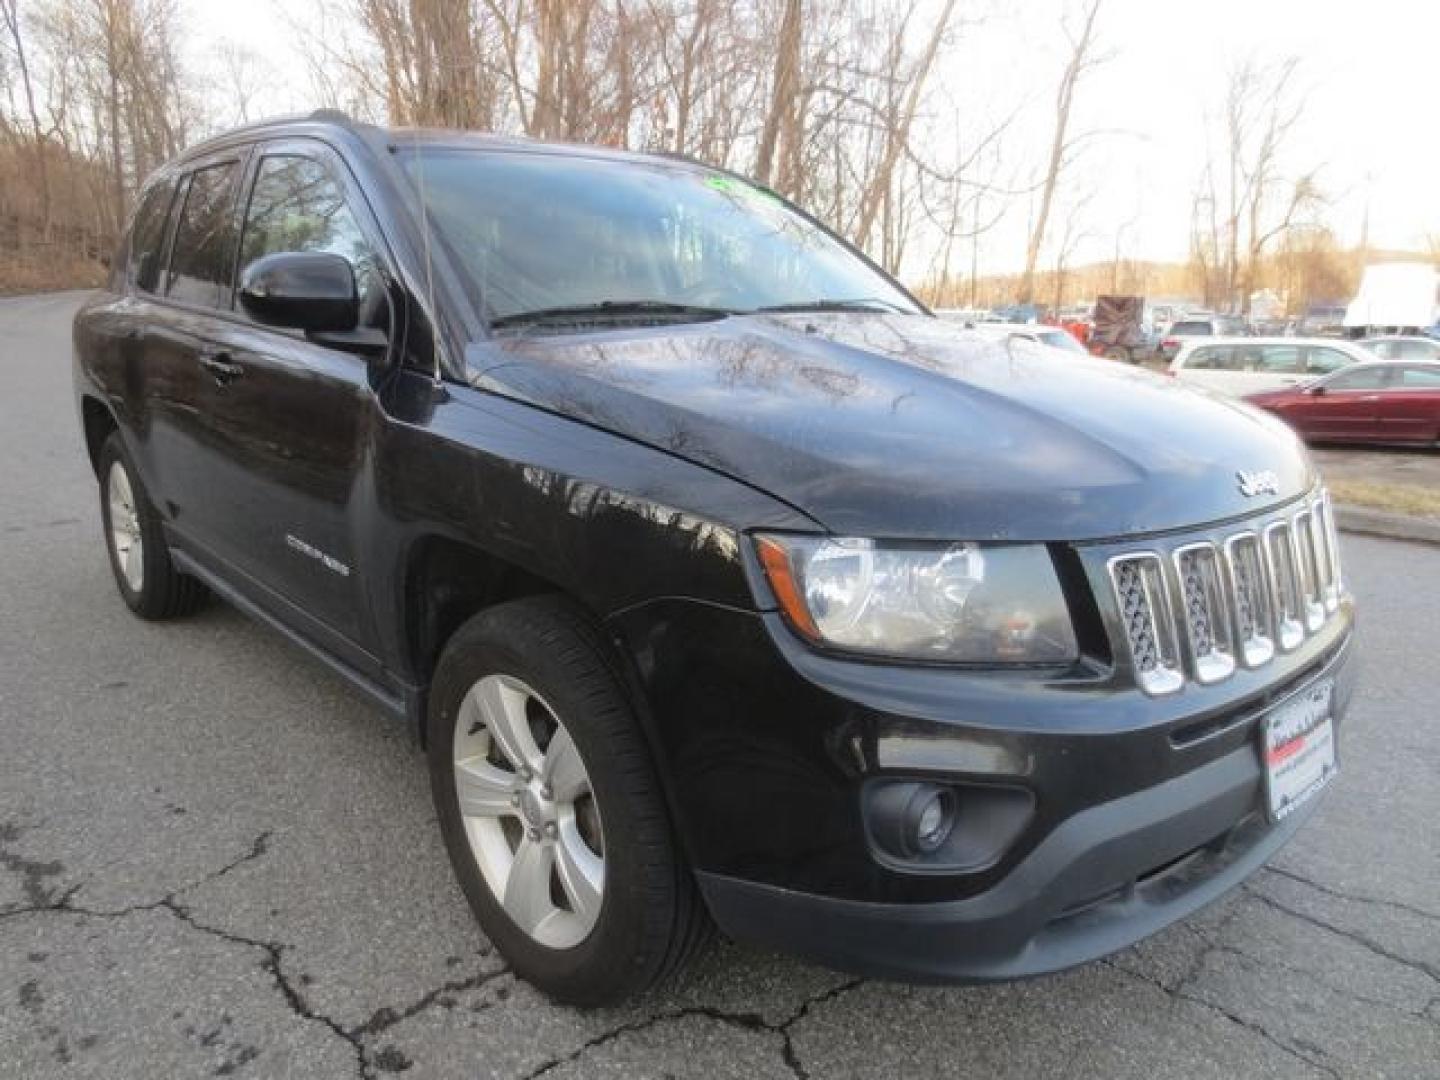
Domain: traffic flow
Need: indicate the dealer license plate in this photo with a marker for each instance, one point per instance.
(1298, 747)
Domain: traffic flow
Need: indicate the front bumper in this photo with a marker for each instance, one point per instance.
(1104, 879)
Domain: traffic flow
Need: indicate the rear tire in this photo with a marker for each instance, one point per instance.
(515, 682)
(135, 540)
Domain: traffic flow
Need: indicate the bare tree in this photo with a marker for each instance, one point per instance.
(1082, 59)
(781, 118)
(1245, 200)
(898, 119)
(10, 15)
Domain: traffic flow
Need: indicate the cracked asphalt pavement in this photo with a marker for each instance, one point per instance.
(217, 860)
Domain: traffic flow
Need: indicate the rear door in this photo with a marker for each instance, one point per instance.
(1409, 408)
(288, 430)
(1273, 367)
(182, 290)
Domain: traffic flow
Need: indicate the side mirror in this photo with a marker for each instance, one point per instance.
(312, 291)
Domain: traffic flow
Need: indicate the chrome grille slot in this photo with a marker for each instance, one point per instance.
(1307, 570)
(1198, 609)
(1327, 552)
(1284, 586)
(1250, 592)
(1149, 621)
(1205, 612)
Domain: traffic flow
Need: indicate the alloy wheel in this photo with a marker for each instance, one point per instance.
(529, 811)
(125, 540)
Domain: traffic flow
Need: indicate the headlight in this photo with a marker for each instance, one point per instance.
(962, 603)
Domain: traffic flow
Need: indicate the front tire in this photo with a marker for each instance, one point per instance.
(551, 809)
(135, 539)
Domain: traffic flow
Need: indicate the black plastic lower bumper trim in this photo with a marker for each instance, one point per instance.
(1103, 880)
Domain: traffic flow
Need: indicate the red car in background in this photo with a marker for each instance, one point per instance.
(1383, 402)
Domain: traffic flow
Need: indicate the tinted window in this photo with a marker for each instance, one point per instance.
(1322, 361)
(297, 205)
(147, 236)
(1365, 379)
(204, 239)
(1191, 329)
(1278, 360)
(1214, 358)
(1421, 378)
(1386, 350)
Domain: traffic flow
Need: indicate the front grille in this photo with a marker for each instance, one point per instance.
(1232, 601)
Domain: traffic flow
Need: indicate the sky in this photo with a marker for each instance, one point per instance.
(1369, 73)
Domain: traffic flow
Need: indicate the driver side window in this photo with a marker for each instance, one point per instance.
(1373, 378)
(1322, 361)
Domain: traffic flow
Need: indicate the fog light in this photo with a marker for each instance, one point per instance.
(960, 826)
(911, 819)
(930, 817)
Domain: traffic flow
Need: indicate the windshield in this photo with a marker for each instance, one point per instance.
(539, 232)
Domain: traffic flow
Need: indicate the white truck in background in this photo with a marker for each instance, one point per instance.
(1395, 298)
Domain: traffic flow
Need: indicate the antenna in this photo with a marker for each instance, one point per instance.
(425, 240)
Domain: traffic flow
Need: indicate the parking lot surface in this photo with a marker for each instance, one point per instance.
(216, 860)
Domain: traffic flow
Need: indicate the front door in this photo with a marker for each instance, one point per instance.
(1343, 408)
(291, 417)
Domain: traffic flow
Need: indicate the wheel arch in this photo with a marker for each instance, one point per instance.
(447, 581)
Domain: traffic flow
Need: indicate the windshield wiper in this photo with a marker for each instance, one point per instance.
(858, 303)
(611, 309)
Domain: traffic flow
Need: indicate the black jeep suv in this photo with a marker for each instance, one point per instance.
(719, 580)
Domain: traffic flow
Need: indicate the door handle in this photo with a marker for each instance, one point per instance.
(220, 366)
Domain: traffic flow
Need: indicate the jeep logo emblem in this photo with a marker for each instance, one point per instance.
(1263, 482)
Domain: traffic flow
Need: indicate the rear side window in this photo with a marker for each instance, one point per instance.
(1214, 358)
(147, 236)
(1420, 378)
(1280, 360)
(204, 248)
(296, 205)
(1417, 350)
(1386, 350)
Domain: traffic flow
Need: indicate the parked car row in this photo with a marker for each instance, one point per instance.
(1326, 389)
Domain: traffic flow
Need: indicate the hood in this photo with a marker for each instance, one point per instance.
(901, 426)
